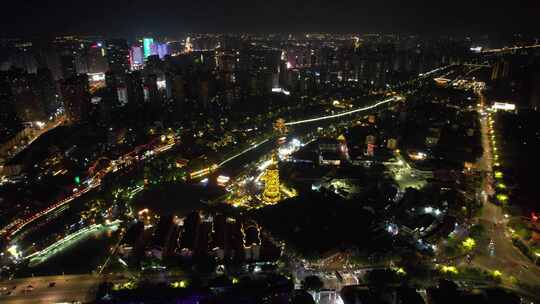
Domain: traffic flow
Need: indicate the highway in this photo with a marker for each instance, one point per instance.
(505, 257)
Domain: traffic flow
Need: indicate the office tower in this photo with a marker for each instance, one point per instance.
(23, 56)
(96, 58)
(69, 50)
(118, 56)
(76, 98)
(25, 96)
(47, 91)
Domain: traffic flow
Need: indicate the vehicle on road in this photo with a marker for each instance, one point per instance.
(52, 284)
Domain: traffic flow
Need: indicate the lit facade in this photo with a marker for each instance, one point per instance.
(272, 194)
(147, 46)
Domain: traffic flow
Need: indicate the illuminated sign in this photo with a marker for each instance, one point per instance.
(417, 155)
(161, 84)
(282, 91)
(476, 49)
(504, 106)
(95, 77)
(222, 180)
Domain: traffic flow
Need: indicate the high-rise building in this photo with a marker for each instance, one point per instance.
(204, 93)
(135, 90)
(96, 58)
(162, 50)
(26, 97)
(137, 57)
(70, 52)
(122, 94)
(67, 65)
(76, 98)
(47, 91)
(150, 89)
(147, 47)
(9, 122)
(23, 56)
(118, 56)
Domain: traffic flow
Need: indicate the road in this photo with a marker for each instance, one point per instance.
(505, 257)
(407, 176)
(14, 147)
(68, 288)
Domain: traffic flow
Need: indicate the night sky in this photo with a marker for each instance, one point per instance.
(134, 17)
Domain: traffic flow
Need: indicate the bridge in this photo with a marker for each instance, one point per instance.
(511, 49)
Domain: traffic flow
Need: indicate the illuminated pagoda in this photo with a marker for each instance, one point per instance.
(271, 194)
(280, 126)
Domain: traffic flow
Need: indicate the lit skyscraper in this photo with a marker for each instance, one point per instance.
(162, 50)
(147, 46)
(137, 56)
